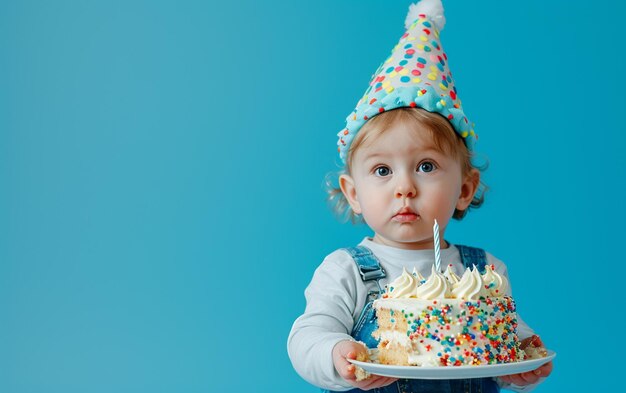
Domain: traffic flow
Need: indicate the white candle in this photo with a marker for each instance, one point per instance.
(437, 254)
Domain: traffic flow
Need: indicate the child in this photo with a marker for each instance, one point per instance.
(407, 150)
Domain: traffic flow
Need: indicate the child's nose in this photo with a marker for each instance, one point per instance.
(406, 189)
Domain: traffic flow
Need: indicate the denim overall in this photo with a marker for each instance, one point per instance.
(370, 270)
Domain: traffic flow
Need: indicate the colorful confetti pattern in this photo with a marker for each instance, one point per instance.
(416, 74)
(453, 332)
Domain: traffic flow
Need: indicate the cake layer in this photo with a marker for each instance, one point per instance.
(447, 332)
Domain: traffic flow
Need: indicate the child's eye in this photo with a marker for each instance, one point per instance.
(426, 166)
(382, 171)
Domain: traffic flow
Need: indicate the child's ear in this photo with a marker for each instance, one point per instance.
(349, 191)
(468, 189)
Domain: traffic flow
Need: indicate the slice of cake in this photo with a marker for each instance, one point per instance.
(447, 321)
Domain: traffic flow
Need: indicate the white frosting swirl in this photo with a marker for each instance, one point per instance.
(451, 276)
(418, 277)
(495, 284)
(470, 286)
(403, 286)
(436, 287)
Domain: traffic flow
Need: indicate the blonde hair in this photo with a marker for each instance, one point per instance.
(445, 138)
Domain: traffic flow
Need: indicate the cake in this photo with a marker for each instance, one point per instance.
(447, 321)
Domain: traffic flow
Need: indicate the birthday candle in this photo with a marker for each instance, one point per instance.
(437, 255)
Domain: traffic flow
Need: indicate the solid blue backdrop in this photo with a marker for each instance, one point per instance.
(162, 163)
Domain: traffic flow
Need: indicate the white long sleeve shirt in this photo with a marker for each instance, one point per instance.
(336, 296)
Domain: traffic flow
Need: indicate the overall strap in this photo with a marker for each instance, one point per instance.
(473, 256)
(368, 264)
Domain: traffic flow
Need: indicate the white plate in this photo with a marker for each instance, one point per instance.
(453, 372)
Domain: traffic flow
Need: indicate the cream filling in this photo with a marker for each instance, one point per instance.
(394, 337)
(414, 357)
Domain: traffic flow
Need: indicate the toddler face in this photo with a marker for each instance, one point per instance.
(400, 182)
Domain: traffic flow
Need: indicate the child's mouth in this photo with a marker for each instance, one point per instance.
(405, 217)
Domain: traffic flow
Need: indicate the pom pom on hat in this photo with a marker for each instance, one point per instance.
(432, 8)
(416, 74)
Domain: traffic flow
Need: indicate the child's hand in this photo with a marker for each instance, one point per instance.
(350, 350)
(533, 376)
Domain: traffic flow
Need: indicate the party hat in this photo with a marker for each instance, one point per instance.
(416, 74)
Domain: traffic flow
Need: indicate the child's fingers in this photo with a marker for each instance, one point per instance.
(546, 369)
(343, 367)
(347, 372)
(534, 375)
(520, 379)
(349, 367)
(531, 376)
(375, 381)
(526, 378)
(341, 354)
(514, 379)
(355, 350)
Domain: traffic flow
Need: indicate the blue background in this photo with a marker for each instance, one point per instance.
(162, 163)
